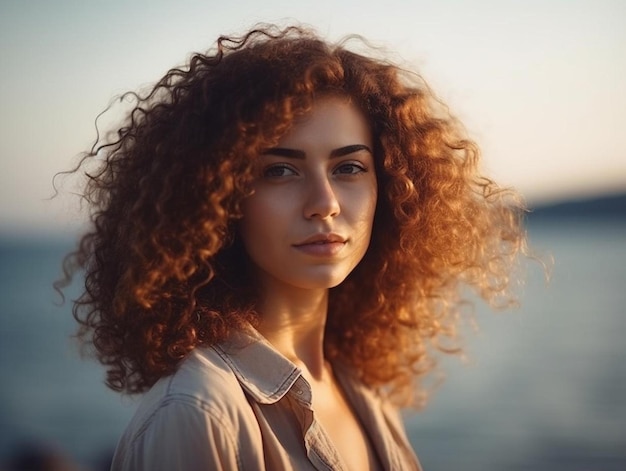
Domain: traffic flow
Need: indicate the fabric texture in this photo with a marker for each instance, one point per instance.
(241, 405)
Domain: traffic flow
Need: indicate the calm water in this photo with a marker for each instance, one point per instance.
(543, 388)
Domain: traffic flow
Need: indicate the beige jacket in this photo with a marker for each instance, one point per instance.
(243, 406)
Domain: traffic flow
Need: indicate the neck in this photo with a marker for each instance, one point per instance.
(294, 324)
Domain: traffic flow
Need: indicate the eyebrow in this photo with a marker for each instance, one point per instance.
(300, 154)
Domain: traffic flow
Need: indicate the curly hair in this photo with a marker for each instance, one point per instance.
(165, 271)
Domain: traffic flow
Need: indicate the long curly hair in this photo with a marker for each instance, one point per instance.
(165, 271)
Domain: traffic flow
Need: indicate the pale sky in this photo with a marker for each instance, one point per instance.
(540, 84)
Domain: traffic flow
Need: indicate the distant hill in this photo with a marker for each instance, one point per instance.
(601, 207)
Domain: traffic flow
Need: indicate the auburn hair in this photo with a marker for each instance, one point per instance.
(165, 271)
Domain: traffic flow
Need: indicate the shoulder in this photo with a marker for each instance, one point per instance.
(203, 381)
(201, 406)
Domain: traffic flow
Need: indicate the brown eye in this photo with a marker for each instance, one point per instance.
(350, 168)
(276, 171)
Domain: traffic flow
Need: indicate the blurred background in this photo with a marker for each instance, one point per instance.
(539, 84)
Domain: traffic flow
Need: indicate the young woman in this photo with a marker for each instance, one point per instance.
(280, 234)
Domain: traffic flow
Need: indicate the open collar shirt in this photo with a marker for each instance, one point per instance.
(241, 405)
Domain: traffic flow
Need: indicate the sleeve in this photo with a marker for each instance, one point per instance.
(186, 436)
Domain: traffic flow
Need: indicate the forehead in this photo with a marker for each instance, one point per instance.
(333, 121)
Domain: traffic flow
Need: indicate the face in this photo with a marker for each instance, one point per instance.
(309, 221)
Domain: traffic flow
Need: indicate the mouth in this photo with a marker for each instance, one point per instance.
(322, 239)
(324, 246)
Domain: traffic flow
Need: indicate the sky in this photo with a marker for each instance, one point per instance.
(538, 84)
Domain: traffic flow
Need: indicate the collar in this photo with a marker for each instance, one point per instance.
(262, 371)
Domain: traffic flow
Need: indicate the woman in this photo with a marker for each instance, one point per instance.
(280, 234)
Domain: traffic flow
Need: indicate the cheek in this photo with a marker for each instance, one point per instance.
(252, 224)
(369, 210)
(364, 205)
(360, 214)
(263, 217)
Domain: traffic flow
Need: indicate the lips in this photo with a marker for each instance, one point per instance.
(319, 239)
(322, 245)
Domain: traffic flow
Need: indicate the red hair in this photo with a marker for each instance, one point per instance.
(165, 271)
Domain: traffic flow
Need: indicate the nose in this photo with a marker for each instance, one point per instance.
(321, 199)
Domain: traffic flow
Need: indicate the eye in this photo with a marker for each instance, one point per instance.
(276, 171)
(350, 168)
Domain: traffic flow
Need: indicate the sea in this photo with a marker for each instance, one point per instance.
(538, 387)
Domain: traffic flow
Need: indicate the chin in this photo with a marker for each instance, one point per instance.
(319, 281)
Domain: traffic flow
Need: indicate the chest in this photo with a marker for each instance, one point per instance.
(348, 435)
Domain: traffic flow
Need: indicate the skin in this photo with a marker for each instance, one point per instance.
(305, 227)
